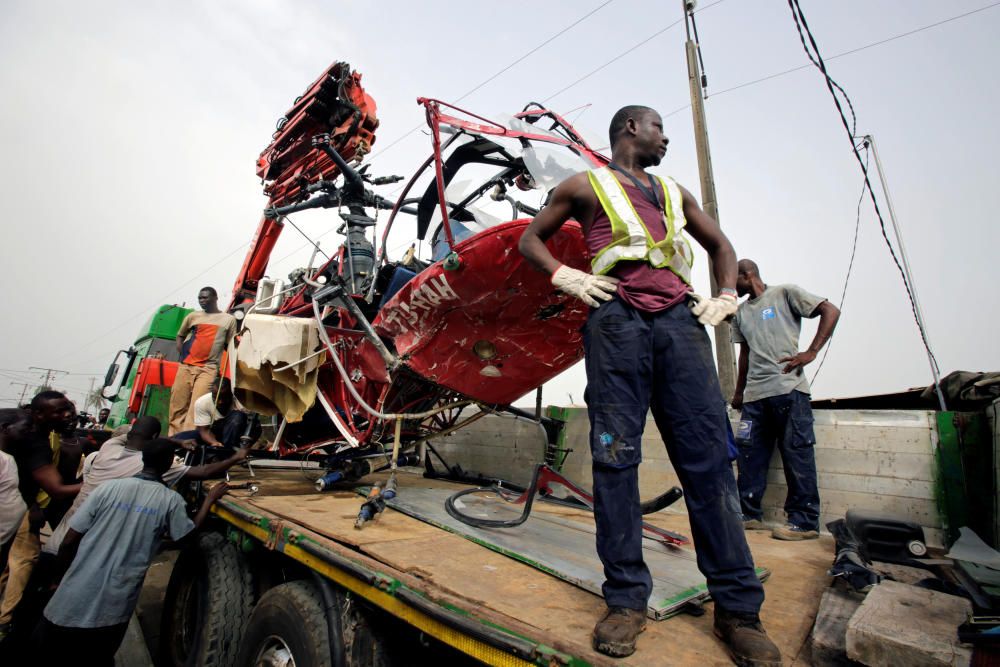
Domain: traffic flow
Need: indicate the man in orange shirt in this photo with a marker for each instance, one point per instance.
(200, 342)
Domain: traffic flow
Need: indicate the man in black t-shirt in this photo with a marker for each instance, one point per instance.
(48, 411)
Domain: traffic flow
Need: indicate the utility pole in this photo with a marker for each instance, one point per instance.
(723, 342)
(50, 374)
(917, 311)
(24, 390)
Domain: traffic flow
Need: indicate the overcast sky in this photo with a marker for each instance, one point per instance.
(130, 132)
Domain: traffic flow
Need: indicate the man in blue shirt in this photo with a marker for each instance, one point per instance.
(110, 543)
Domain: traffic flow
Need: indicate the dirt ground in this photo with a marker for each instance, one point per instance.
(151, 600)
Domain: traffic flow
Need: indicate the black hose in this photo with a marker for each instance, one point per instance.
(671, 496)
(333, 619)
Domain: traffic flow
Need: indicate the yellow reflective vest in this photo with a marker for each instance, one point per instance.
(630, 240)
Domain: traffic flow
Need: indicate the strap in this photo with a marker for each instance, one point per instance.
(648, 192)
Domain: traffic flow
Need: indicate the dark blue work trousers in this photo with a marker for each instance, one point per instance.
(787, 421)
(662, 361)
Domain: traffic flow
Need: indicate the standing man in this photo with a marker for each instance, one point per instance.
(36, 471)
(773, 392)
(646, 349)
(210, 332)
(109, 545)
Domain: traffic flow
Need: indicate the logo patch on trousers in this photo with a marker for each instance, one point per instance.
(743, 429)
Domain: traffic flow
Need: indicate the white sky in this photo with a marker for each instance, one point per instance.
(130, 132)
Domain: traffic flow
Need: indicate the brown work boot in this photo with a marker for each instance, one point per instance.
(744, 636)
(616, 633)
(793, 533)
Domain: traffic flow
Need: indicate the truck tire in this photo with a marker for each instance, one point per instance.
(207, 605)
(287, 627)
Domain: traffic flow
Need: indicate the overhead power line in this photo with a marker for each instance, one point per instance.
(842, 54)
(850, 265)
(145, 313)
(499, 72)
(625, 53)
(812, 49)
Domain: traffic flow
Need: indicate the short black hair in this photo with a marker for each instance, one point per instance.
(43, 397)
(146, 428)
(634, 111)
(748, 266)
(10, 416)
(210, 290)
(158, 455)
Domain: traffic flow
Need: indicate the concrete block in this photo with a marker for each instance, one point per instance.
(829, 633)
(899, 624)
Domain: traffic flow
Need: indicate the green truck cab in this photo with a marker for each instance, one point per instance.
(155, 342)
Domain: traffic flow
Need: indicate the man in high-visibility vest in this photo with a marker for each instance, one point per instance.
(646, 349)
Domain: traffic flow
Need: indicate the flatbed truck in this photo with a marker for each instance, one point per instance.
(282, 577)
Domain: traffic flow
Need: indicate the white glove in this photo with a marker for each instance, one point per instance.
(584, 286)
(712, 311)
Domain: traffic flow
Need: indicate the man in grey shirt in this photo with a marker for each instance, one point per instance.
(773, 392)
(110, 543)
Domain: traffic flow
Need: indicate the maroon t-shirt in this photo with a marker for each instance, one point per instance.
(642, 287)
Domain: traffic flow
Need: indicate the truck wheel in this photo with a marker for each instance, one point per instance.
(207, 605)
(288, 628)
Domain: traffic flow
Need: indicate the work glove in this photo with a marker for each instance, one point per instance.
(584, 286)
(712, 311)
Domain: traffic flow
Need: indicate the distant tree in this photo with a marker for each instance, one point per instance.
(94, 401)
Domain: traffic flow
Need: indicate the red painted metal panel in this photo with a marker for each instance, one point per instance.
(151, 371)
(495, 296)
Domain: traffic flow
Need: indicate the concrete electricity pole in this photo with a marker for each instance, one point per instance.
(50, 374)
(24, 390)
(723, 343)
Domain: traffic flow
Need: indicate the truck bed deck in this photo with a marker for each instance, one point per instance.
(495, 608)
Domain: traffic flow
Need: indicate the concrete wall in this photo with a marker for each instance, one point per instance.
(876, 460)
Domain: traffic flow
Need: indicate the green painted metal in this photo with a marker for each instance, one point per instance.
(950, 483)
(965, 487)
(119, 406)
(162, 326)
(563, 415)
(165, 322)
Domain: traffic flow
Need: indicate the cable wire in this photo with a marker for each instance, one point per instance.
(498, 73)
(849, 52)
(624, 53)
(850, 265)
(145, 313)
(802, 26)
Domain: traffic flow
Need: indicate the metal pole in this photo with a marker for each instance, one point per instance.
(725, 357)
(904, 260)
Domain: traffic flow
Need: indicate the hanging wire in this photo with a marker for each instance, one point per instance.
(803, 29)
(850, 265)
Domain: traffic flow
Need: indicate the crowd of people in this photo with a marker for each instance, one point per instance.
(108, 502)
